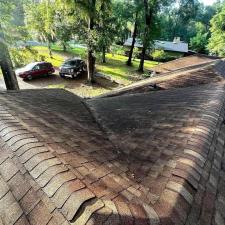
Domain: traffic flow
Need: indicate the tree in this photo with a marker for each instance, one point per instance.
(40, 20)
(134, 36)
(105, 29)
(137, 6)
(217, 41)
(151, 8)
(5, 60)
(89, 10)
(123, 15)
(63, 24)
(199, 42)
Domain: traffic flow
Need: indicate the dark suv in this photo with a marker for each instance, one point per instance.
(73, 68)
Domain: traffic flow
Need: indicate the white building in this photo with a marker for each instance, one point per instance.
(176, 46)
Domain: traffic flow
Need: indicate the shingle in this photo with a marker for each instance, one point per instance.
(18, 186)
(75, 201)
(3, 188)
(181, 190)
(34, 161)
(39, 215)
(57, 182)
(29, 201)
(10, 210)
(65, 191)
(89, 209)
(43, 166)
(8, 169)
(32, 152)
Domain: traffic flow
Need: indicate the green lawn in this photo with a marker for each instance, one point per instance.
(57, 59)
(115, 66)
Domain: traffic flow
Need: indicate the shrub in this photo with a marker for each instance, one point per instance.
(136, 53)
(23, 56)
(159, 55)
(117, 49)
(162, 56)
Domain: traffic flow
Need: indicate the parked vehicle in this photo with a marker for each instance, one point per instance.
(37, 69)
(73, 68)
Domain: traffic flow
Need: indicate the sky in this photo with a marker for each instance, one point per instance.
(208, 2)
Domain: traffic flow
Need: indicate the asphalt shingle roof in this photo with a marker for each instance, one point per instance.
(184, 62)
(146, 158)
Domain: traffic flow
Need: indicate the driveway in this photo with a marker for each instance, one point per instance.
(53, 81)
(77, 86)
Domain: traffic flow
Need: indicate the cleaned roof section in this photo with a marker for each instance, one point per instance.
(139, 159)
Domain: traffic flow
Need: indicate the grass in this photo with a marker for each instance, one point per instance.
(82, 90)
(57, 59)
(115, 65)
(88, 91)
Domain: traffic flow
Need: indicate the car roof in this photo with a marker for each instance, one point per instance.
(36, 63)
(74, 59)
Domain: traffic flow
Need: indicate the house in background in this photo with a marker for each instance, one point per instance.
(177, 46)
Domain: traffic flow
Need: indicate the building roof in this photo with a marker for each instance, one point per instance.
(184, 63)
(137, 44)
(172, 46)
(144, 158)
(165, 45)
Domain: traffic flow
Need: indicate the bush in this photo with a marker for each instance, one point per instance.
(23, 56)
(162, 56)
(117, 49)
(136, 53)
(159, 55)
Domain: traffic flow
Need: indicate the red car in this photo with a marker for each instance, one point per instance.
(37, 69)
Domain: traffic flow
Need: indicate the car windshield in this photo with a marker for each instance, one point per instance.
(71, 63)
(30, 66)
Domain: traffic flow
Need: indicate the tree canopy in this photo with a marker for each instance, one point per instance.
(217, 40)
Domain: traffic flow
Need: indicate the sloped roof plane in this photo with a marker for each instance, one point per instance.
(150, 158)
(136, 159)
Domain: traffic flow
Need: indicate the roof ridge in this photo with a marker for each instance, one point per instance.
(190, 165)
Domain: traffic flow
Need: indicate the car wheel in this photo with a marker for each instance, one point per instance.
(29, 77)
(61, 75)
(84, 69)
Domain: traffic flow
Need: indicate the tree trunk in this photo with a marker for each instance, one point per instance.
(64, 47)
(91, 57)
(6, 65)
(129, 62)
(90, 67)
(142, 61)
(103, 55)
(49, 49)
(148, 21)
